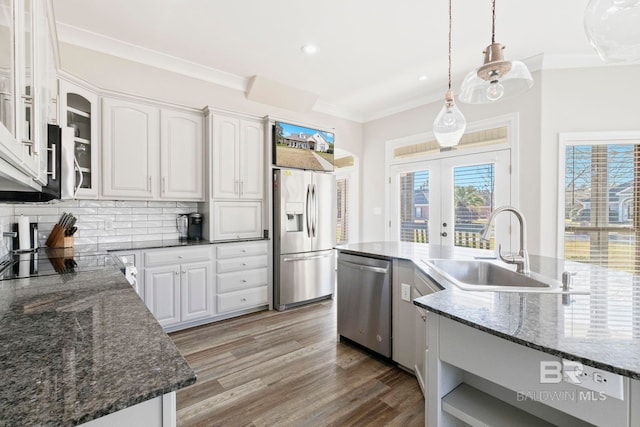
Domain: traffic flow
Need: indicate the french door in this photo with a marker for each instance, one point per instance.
(447, 201)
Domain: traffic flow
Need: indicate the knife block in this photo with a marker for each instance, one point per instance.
(57, 239)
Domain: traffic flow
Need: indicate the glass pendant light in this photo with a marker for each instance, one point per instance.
(497, 78)
(450, 124)
(613, 28)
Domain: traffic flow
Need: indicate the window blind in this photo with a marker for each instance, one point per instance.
(414, 206)
(601, 200)
(473, 201)
(342, 215)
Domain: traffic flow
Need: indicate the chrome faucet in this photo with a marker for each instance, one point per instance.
(521, 259)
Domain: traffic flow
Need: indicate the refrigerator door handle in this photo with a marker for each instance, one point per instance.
(308, 213)
(315, 210)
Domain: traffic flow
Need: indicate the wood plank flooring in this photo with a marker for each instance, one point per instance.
(287, 369)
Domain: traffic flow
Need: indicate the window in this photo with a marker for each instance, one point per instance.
(342, 215)
(601, 195)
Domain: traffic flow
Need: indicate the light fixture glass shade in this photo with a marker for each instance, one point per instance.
(478, 90)
(450, 124)
(613, 28)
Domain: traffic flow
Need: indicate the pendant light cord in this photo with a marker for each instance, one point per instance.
(450, 44)
(493, 22)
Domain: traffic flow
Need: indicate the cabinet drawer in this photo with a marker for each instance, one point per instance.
(242, 279)
(176, 256)
(242, 299)
(239, 264)
(241, 250)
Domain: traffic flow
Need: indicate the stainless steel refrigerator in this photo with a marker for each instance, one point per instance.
(304, 236)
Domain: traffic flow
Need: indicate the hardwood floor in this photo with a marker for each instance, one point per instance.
(287, 369)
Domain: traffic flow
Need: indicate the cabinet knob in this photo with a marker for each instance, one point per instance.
(244, 264)
(243, 299)
(244, 250)
(184, 271)
(244, 280)
(177, 272)
(180, 256)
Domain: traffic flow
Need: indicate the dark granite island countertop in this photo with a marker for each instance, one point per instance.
(73, 349)
(600, 329)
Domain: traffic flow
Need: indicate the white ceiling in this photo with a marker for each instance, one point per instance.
(370, 52)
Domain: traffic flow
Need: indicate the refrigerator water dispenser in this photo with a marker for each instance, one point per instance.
(295, 215)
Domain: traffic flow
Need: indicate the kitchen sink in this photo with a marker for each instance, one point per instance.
(476, 275)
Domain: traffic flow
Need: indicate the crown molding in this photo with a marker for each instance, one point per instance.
(110, 46)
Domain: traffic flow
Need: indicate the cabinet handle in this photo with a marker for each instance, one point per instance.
(54, 170)
(241, 187)
(235, 187)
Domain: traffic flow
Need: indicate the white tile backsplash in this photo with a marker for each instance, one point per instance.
(102, 221)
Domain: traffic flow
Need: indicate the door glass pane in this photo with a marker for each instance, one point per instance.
(414, 206)
(474, 199)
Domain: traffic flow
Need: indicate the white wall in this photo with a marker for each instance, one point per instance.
(580, 100)
(420, 120)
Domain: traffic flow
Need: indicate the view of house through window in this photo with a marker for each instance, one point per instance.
(602, 184)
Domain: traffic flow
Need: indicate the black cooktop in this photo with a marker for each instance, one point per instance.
(50, 261)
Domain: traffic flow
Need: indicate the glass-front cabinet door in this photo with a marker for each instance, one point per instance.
(6, 66)
(79, 111)
(27, 57)
(26, 131)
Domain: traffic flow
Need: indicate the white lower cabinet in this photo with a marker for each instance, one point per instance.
(162, 293)
(189, 286)
(242, 278)
(196, 291)
(179, 285)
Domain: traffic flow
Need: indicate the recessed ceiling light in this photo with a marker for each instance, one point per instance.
(309, 49)
(423, 77)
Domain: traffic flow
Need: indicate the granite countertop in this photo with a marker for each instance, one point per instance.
(72, 350)
(600, 329)
(151, 244)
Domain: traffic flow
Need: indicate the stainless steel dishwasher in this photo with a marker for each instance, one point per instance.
(364, 301)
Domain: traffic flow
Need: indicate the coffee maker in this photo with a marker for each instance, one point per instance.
(195, 226)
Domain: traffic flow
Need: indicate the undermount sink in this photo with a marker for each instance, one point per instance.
(475, 275)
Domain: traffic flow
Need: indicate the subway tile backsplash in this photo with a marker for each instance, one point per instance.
(102, 221)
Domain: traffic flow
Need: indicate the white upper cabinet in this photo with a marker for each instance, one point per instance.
(181, 156)
(251, 160)
(79, 111)
(131, 142)
(26, 52)
(237, 159)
